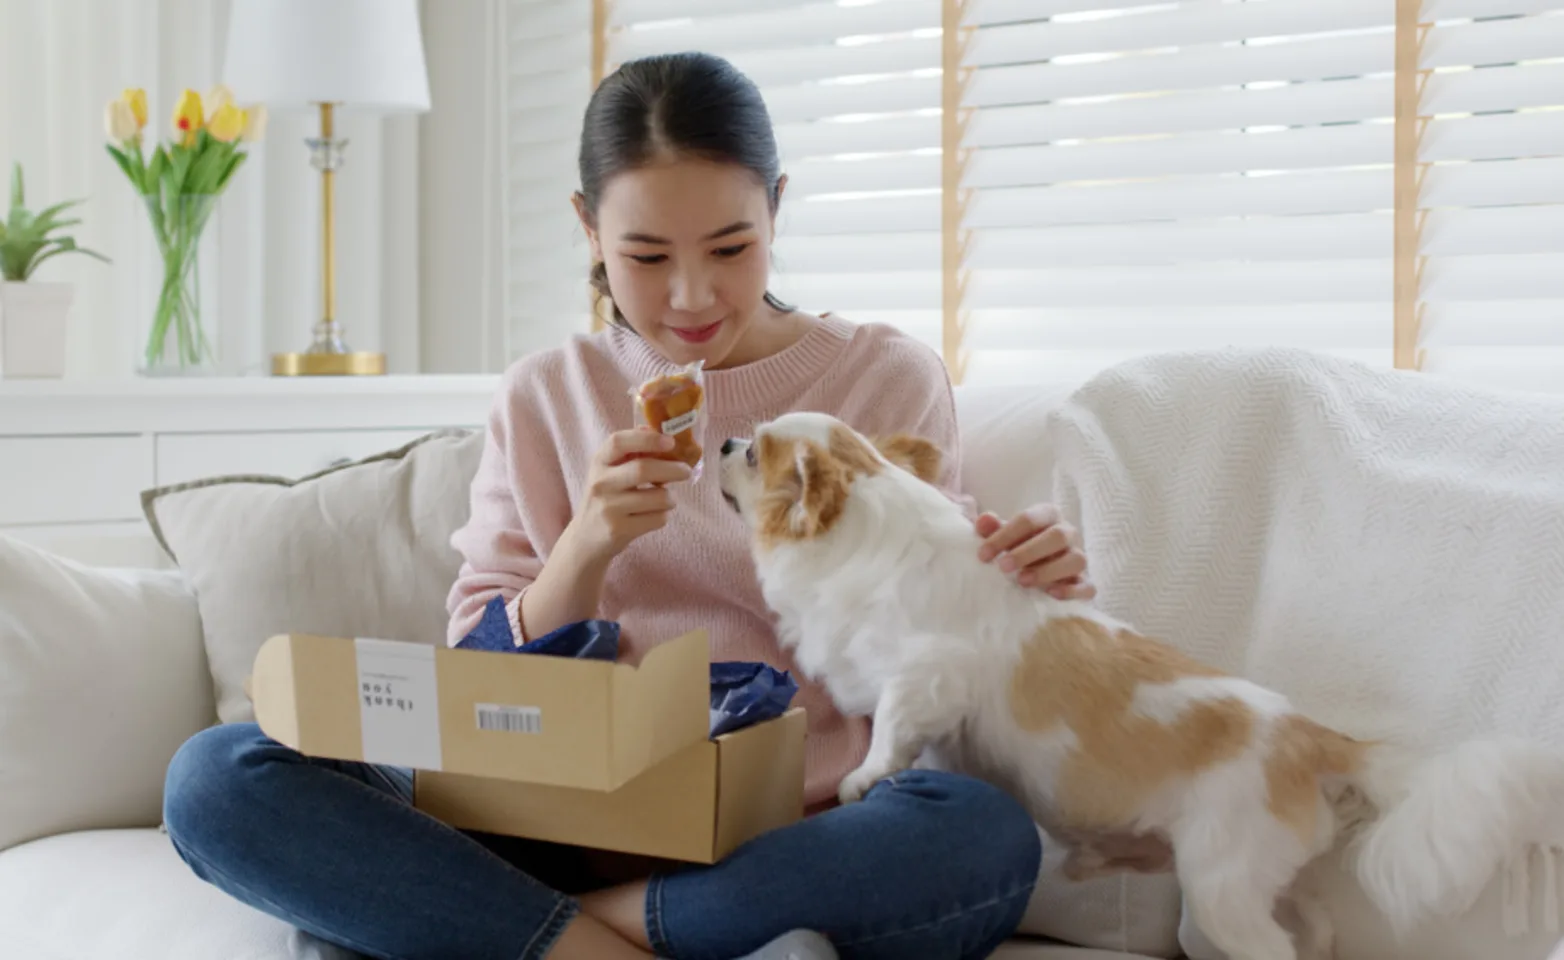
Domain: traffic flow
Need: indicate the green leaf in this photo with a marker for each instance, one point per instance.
(17, 258)
(11, 265)
(17, 198)
(58, 225)
(234, 163)
(139, 163)
(155, 171)
(125, 165)
(45, 222)
(204, 171)
(66, 245)
(180, 170)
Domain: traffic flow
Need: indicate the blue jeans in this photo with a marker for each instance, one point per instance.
(928, 865)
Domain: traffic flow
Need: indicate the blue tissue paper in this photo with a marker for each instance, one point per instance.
(586, 640)
(493, 630)
(742, 693)
(747, 693)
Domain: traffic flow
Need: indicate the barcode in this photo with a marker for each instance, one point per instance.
(494, 716)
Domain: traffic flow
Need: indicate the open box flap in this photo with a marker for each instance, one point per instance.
(660, 706)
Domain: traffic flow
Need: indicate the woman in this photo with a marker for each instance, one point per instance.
(680, 187)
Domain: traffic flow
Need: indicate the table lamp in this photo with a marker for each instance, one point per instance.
(322, 55)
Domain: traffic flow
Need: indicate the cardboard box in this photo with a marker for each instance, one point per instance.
(696, 806)
(543, 720)
(582, 752)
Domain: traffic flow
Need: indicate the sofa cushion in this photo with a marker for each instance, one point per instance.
(359, 550)
(1007, 457)
(126, 894)
(101, 679)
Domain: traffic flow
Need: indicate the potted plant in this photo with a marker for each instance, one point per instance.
(33, 314)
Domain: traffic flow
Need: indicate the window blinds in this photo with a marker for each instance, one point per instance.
(547, 81)
(1484, 217)
(1118, 177)
(854, 94)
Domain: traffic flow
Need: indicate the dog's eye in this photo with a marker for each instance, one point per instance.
(749, 455)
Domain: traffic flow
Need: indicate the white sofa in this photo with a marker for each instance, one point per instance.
(103, 672)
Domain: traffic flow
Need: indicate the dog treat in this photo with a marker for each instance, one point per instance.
(676, 405)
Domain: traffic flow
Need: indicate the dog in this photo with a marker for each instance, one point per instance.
(1127, 752)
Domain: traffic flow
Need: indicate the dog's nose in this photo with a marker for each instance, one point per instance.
(729, 445)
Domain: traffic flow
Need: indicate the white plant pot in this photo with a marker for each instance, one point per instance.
(32, 329)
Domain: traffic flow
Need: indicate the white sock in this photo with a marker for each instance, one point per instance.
(796, 945)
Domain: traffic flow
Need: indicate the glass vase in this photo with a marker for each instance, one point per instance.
(177, 344)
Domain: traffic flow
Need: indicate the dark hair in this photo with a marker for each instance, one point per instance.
(685, 104)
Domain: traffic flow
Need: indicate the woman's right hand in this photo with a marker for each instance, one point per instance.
(626, 496)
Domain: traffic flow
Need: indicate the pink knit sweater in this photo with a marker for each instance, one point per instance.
(556, 408)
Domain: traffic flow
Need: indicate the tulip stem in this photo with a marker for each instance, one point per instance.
(178, 230)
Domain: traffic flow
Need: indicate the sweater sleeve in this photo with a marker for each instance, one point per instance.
(498, 557)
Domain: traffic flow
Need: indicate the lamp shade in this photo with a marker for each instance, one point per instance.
(362, 54)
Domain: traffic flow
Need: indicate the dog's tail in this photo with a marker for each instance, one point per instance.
(1446, 823)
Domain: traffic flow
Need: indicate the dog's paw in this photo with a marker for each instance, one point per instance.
(857, 783)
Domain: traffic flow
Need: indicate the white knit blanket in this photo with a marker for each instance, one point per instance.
(1387, 549)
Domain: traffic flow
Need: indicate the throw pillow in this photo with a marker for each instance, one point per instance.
(358, 550)
(101, 679)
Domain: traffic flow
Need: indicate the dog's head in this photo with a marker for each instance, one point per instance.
(794, 479)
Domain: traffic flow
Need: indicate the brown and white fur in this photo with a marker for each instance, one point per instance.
(1125, 750)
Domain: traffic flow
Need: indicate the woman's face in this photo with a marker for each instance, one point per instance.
(687, 244)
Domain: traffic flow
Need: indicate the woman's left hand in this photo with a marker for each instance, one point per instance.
(1040, 549)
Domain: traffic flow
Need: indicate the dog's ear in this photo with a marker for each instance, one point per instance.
(914, 454)
(805, 488)
(822, 489)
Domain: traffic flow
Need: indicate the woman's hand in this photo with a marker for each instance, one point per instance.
(626, 497)
(1040, 549)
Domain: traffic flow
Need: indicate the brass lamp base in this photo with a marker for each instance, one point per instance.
(328, 364)
(328, 355)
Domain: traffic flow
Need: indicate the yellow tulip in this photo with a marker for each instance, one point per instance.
(227, 123)
(188, 118)
(136, 99)
(254, 123)
(119, 122)
(217, 97)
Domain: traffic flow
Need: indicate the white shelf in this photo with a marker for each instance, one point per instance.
(241, 404)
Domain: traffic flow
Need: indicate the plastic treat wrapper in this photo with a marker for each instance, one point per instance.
(742, 693)
(675, 405)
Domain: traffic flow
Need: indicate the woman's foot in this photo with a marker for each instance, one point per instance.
(797, 945)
